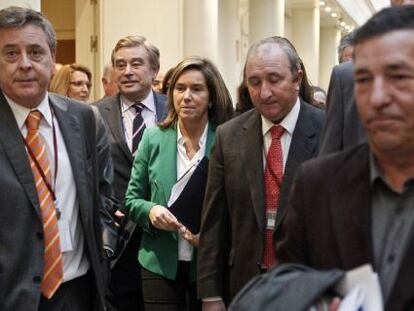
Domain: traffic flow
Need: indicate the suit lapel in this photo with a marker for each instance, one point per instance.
(168, 159)
(75, 147)
(160, 107)
(303, 147)
(350, 210)
(112, 111)
(12, 141)
(251, 152)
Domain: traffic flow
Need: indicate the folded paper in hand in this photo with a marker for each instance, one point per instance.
(187, 196)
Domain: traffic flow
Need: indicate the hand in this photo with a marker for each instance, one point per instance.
(214, 306)
(335, 304)
(188, 236)
(162, 218)
(119, 218)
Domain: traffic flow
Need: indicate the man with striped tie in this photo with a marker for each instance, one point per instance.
(136, 63)
(55, 176)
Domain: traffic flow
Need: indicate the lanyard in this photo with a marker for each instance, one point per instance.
(39, 168)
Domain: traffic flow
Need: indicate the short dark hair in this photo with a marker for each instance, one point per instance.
(17, 17)
(386, 20)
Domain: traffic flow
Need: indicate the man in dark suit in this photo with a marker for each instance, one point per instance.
(342, 128)
(365, 214)
(55, 191)
(136, 63)
(235, 223)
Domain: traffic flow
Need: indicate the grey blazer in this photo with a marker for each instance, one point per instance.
(342, 128)
(21, 243)
(233, 218)
(110, 109)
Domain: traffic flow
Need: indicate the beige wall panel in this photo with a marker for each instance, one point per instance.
(32, 4)
(160, 21)
(330, 37)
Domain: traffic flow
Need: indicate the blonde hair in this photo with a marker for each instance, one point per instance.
(61, 79)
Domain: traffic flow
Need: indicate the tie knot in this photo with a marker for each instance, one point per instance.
(138, 107)
(277, 131)
(33, 120)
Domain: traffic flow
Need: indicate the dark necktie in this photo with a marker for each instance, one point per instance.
(52, 267)
(138, 126)
(273, 181)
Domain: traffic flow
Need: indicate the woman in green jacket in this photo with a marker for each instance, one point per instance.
(198, 102)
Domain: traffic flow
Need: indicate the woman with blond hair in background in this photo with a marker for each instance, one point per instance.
(198, 101)
(73, 81)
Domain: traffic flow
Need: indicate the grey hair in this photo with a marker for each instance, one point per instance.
(286, 46)
(346, 40)
(17, 17)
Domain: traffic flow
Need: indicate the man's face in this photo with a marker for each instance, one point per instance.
(347, 54)
(26, 64)
(133, 72)
(384, 91)
(271, 85)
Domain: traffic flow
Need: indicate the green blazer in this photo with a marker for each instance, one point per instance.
(154, 173)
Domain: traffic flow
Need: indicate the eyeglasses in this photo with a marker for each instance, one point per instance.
(81, 83)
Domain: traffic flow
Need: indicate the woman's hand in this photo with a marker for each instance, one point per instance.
(162, 218)
(188, 236)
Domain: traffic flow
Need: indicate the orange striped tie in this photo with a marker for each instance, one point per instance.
(52, 270)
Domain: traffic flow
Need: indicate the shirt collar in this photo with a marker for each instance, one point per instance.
(20, 112)
(148, 102)
(288, 122)
(180, 138)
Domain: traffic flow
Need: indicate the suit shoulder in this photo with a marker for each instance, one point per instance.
(107, 101)
(337, 163)
(237, 122)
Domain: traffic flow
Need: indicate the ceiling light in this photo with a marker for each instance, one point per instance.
(333, 14)
(343, 24)
(328, 9)
(322, 3)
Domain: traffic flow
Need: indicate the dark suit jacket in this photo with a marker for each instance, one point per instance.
(342, 128)
(329, 221)
(21, 243)
(110, 109)
(233, 218)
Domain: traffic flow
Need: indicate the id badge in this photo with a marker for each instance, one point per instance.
(270, 219)
(65, 236)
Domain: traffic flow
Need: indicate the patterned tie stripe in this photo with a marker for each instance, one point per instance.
(52, 269)
(273, 180)
(138, 126)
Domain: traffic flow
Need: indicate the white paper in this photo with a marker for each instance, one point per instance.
(367, 289)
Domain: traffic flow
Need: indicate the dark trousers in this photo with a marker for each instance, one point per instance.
(161, 294)
(125, 292)
(74, 295)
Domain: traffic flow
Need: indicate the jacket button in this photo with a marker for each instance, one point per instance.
(37, 279)
(39, 235)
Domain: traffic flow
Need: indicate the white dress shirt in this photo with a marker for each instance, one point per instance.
(185, 250)
(289, 124)
(75, 262)
(149, 114)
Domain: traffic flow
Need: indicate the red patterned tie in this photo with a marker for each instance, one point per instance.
(273, 180)
(52, 269)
